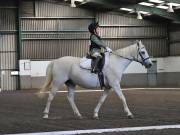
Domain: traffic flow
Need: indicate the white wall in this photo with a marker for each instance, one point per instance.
(33, 68)
(38, 68)
(168, 64)
(165, 64)
(25, 67)
(135, 67)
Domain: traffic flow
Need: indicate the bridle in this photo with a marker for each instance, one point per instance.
(135, 58)
(142, 58)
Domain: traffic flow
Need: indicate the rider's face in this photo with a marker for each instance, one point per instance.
(97, 30)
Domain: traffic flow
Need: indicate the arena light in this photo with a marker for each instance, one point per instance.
(76, 0)
(127, 9)
(139, 16)
(144, 13)
(73, 3)
(162, 7)
(177, 7)
(174, 4)
(170, 8)
(146, 4)
(156, 1)
(80, 0)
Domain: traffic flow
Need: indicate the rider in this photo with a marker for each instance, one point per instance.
(96, 45)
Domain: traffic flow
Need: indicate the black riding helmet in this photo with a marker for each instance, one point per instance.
(93, 26)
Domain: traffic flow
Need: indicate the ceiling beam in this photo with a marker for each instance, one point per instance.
(156, 11)
(108, 4)
(116, 3)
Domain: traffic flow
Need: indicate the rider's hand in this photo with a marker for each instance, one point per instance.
(108, 49)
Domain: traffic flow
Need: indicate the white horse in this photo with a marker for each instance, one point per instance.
(66, 70)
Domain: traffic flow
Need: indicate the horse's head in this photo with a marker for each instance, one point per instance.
(143, 56)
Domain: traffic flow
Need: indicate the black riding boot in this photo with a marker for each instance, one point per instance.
(96, 63)
(101, 79)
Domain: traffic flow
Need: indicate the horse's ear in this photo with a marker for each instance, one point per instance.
(137, 42)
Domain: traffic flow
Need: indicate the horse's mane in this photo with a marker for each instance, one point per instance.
(128, 51)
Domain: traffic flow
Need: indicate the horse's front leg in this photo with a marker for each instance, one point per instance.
(101, 101)
(118, 91)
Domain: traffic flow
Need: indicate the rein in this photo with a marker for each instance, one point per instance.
(134, 58)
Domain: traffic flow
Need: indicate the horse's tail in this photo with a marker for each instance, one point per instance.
(48, 81)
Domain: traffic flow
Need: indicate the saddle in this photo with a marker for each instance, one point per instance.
(88, 63)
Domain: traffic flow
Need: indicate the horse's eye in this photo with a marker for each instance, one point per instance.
(143, 52)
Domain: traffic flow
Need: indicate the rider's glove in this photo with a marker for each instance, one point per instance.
(108, 49)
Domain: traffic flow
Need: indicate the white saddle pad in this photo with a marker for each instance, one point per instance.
(85, 63)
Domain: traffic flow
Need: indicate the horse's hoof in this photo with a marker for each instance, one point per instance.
(45, 116)
(96, 117)
(130, 116)
(80, 117)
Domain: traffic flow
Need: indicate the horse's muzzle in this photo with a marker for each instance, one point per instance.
(148, 65)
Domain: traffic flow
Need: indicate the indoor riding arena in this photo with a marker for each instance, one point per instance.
(45, 90)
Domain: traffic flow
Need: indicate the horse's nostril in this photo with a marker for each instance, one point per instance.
(150, 64)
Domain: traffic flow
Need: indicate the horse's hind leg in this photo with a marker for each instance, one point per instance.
(70, 96)
(52, 93)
